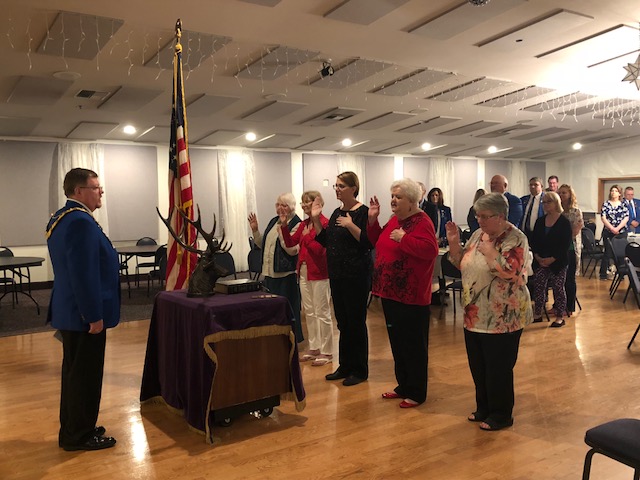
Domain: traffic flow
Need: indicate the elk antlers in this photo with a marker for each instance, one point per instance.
(213, 245)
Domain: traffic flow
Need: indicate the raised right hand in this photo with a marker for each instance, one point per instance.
(453, 235)
(253, 222)
(374, 210)
(316, 208)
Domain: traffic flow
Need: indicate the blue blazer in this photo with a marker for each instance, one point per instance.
(525, 201)
(515, 209)
(86, 285)
(632, 217)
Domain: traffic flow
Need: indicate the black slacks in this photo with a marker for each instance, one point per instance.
(491, 360)
(570, 286)
(350, 306)
(408, 330)
(81, 389)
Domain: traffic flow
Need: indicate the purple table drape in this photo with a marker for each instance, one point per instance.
(179, 364)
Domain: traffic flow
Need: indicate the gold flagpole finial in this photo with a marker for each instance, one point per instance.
(178, 35)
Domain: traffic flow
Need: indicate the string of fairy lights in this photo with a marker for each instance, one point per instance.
(65, 35)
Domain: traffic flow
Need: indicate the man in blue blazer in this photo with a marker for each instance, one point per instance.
(633, 204)
(85, 301)
(532, 206)
(499, 184)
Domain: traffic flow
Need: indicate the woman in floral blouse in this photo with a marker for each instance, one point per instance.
(615, 216)
(497, 306)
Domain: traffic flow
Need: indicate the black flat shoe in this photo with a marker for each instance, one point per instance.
(477, 417)
(352, 380)
(537, 320)
(557, 324)
(337, 375)
(95, 442)
(99, 431)
(492, 425)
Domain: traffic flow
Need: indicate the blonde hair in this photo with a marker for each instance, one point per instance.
(312, 195)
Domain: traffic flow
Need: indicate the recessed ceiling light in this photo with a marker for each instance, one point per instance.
(576, 146)
(250, 136)
(275, 96)
(492, 149)
(129, 129)
(426, 146)
(346, 142)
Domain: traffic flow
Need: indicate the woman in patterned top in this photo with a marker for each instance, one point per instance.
(497, 306)
(615, 216)
(406, 251)
(348, 262)
(574, 215)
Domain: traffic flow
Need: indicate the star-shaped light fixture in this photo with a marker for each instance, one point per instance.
(633, 73)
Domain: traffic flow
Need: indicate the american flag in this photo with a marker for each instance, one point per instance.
(180, 263)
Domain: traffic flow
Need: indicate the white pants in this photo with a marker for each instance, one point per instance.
(316, 305)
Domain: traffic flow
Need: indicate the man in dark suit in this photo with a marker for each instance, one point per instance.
(532, 206)
(633, 204)
(85, 301)
(499, 184)
(427, 207)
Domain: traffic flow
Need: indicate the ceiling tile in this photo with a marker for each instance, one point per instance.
(197, 47)
(520, 95)
(38, 91)
(91, 130)
(209, 104)
(475, 87)
(570, 136)
(17, 126)
(506, 131)
(273, 111)
(565, 102)
(528, 38)
(472, 127)
(384, 120)
(275, 140)
(461, 18)
(74, 35)
(425, 125)
(363, 12)
(540, 133)
(353, 72)
(277, 62)
(220, 137)
(323, 143)
(412, 82)
(597, 48)
(332, 117)
(129, 98)
(156, 134)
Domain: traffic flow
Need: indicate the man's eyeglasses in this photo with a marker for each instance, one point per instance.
(95, 188)
(339, 186)
(485, 217)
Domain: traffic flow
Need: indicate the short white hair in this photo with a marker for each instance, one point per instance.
(287, 198)
(409, 188)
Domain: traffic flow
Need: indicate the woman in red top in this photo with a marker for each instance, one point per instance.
(314, 283)
(406, 251)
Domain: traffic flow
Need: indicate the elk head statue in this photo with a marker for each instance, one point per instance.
(203, 278)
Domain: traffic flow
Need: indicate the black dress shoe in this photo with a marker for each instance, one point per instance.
(352, 380)
(99, 431)
(95, 442)
(337, 375)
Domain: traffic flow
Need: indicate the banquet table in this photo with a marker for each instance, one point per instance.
(220, 354)
(14, 266)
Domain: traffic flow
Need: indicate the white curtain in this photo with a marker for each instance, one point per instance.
(355, 164)
(237, 190)
(440, 174)
(78, 155)
(519, 183)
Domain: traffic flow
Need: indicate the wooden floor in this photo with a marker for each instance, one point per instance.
(567, 380)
